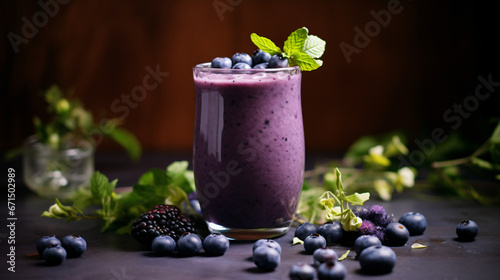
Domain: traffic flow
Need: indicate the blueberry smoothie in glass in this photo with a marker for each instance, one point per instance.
(248, 150)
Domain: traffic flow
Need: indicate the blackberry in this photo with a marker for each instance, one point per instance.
(161, 220)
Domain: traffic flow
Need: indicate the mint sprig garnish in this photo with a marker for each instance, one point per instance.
(119, 209)
(301, 49)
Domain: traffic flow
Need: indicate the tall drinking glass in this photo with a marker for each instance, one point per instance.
(248, 152)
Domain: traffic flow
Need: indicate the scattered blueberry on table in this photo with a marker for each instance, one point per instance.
(467, 230)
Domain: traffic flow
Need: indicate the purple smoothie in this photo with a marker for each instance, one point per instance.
(248, 156)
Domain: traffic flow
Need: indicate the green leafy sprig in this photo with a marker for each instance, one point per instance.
(301, 49)
(70, 122)
(484, 162)
(370, 165)
(338, 208)
(118, 210)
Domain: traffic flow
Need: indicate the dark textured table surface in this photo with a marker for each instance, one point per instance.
(120, 257)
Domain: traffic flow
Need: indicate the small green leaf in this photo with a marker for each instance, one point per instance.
(304, 61)
(265, 44)
(100, 185)
(481, 163)
(357, 198)
(340, 186)
(154, 177)
(180, 175)
(376, 159)
(314, 46)
(177, 168)
(295, 42)
(395, 147)
(418, 246)
(296, 241)
(495, 137)
(344, 255)
(128, 141)
(495, 153)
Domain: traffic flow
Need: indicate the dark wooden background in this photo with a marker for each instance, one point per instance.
(425, 60)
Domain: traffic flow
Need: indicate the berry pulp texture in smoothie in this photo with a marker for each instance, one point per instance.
(248, 155)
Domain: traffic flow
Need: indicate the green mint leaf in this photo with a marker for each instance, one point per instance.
(357, 198)
(177, 196)
(100, 186)
(265, 44)
(154, 177)
(177, 168)
(304, 61)
(314, 46)
(180, 175)
(295, 42)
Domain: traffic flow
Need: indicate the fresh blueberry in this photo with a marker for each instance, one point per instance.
(221, 62)
(313, 242)
(54, 255)
(467, 230)
(331, 231)
(241, 65)
(163, 245)
(45, 242)
(302, 271)
(266, 257)
(304, 230)
(189, 244)
(74, 245)
(324, 254)
(414, 222)
(278, 61)
(396, 234)
(377, 259)
(267, 242)
(260, 56)
(215, 244)
(242, 57)
(261, 66)
(365, 241)
(331, 270)
(194, 202)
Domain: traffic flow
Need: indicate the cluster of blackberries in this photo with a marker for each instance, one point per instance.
(161, 220)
